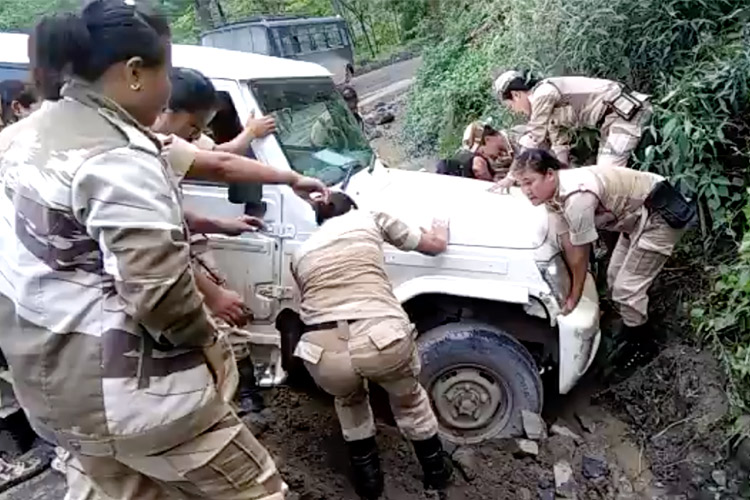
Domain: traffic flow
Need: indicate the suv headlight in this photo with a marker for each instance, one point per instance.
(555, 273)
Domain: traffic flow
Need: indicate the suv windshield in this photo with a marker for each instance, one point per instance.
(319, 135)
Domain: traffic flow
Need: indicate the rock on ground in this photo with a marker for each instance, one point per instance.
(565, 485)
(533, 425)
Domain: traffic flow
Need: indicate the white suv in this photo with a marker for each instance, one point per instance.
(487, 311)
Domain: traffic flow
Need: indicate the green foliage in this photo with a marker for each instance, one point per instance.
(723, 318)
(693, 56)
(21, 15)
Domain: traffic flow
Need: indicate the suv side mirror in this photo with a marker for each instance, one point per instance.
(249, 194)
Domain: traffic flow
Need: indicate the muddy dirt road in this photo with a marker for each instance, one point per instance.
(652, 437)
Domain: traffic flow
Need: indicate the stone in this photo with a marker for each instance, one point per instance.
(385, 117)
(594, 467)
(565, 485)
(466, 460)
(624, 486)
(560, 430)
(533, 425)
(720, 478)
(526, 448)
(546, 494)
(524, 494)
(587, 423)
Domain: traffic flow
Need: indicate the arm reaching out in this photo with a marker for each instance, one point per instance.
(227, 167)
(231, 227)
(577, 258)
(435, 240)
(255, 128)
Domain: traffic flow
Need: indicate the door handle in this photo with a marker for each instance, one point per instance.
(284, 231)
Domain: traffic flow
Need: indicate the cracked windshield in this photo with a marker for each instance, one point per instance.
(318, 134)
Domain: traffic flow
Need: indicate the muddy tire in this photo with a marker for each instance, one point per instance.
(479, 379)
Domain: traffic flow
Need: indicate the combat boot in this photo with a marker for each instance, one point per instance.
(249, 398)
(436, 464)
(366, 473)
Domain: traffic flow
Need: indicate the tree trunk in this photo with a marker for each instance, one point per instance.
(363, 26)
(203, 11)
(220, 10)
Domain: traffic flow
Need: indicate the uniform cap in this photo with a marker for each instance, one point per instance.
(502, 81)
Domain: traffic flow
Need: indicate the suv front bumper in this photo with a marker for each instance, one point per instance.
(580, 337)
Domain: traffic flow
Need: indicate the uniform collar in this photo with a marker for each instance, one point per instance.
(556, 204)
(83, 92)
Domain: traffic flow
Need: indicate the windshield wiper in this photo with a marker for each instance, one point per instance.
(349, 169)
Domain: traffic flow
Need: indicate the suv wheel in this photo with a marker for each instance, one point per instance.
(479, 379)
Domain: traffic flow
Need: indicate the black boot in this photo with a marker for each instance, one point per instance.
(249, 398)
(366, 473)
(437, 466)
(639, 346)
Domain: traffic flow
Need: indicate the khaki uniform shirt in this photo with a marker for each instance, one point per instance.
(340, 270)
(600, 197)
(560, 105)
(105, 330)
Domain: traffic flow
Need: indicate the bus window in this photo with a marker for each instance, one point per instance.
(260, 40)
(333, 36)
(296, 45)
(344, 36)
(302, 34)
(319, 37)
(288, 46)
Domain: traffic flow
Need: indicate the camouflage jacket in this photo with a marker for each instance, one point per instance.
(104, 329)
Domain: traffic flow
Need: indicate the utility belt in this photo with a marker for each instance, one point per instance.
(676, 210)
(626, 105)
(328, 325)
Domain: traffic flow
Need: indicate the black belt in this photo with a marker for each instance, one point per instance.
(328, 325)
(608, 111)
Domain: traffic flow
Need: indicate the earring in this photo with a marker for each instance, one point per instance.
(135, 87)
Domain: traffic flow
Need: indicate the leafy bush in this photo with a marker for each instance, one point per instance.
(692, 56)
(723, 318)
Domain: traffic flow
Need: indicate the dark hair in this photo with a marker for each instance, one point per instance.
(487, 131)
(348, 93)
(540, 161)
(104, 33)
(47, 54)
(338, 204)
(523, 83)
(191, 91)
(15, 90)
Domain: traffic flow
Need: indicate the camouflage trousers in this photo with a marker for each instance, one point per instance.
(620, 137)
(382, 350)
(224, 463)
(635, 263)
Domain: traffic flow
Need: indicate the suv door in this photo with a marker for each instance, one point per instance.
(251, 261)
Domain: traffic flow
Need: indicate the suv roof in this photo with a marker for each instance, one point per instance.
(214, 63)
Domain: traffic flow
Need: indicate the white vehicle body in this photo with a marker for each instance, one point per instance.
(499, 244)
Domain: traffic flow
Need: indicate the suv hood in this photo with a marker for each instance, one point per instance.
(477, 217)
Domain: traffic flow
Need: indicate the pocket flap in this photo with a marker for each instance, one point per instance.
(385, 337)
(308, 351)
